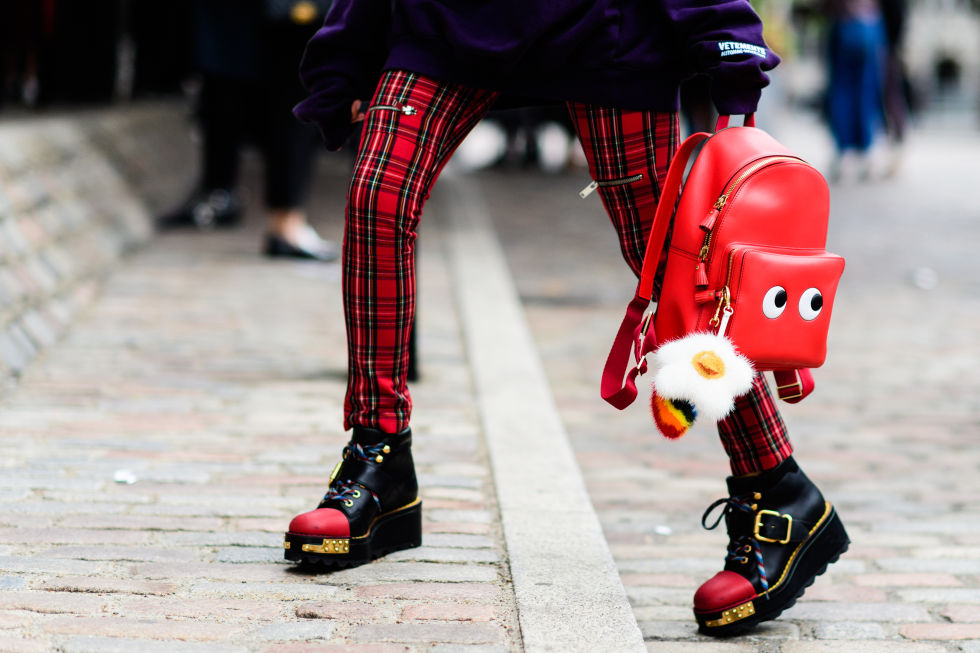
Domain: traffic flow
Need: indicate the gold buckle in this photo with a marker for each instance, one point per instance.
(796, 384)
(645, 326)
(758, 524)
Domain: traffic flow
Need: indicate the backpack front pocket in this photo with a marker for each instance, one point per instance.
(776, 305)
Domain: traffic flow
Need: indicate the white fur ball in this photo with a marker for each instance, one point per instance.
(704, 369)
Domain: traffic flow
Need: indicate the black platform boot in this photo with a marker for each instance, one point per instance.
(371, 507)
(782, 535)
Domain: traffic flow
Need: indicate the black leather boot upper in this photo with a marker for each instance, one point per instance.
(768, 515)
(376, 476)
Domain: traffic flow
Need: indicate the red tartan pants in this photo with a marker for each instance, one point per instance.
(412, 127)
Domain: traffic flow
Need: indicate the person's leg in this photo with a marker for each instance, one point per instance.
(289, 147)
(289, 156)
(371, 507)
(782, 532)
(223, 129)
(870, 64)
(412, 127)
(754, 434)
(223, 123)
(629, 153)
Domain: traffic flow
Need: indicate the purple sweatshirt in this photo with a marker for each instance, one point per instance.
(630, 54)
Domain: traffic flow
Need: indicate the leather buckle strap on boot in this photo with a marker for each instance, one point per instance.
(371, 506)
(782, 535)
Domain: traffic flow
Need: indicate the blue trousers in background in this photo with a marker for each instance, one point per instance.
(854, 102)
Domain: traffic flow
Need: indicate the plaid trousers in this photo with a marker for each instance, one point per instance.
(412, 126)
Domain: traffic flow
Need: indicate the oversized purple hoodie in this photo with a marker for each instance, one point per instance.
(630, 54)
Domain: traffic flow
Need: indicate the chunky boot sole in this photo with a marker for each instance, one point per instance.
(824, 547)
(392, 531)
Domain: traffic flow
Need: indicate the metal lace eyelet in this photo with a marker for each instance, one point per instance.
(743, 560)
(747, 548)
(357, 494)
(348, 503)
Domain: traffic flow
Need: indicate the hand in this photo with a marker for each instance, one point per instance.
(356, 115)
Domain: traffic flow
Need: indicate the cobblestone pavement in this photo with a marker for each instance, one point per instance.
(890, 434)
(150, 462)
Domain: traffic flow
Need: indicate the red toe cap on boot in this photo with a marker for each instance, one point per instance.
(722, 591)
(322, 522)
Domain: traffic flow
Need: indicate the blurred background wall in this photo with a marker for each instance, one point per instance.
(83, 166)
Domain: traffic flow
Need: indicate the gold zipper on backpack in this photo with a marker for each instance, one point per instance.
(710, 220)
(622, 181)
(724, 311)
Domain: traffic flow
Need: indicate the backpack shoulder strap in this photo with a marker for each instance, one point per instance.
(636, 336)
(680, 167)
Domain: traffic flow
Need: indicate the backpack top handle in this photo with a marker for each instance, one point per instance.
(747, 121)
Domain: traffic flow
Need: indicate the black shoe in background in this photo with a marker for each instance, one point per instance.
(218, 207)
(308, 246)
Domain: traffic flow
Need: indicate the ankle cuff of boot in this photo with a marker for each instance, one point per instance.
(367, 436)
(763, 481)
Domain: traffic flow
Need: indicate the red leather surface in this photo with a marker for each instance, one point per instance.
(773, 200)
(788, 341)
(722, 591)
(783, 205)
(325, 522)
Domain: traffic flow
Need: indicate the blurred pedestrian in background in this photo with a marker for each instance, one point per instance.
(64, 52)
(248, 54)
(856, 49)
(896, 89)
(433, 70)
(23, 24)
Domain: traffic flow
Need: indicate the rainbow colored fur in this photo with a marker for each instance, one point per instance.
(672, 416)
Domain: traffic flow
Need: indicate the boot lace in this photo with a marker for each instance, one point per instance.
(740, 547)
(345, 489)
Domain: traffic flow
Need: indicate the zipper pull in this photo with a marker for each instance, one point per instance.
(709, 220)
(588, 190)
(701, 271)
(726, 315)
(408, 111)
(705, 297)
(701, 274)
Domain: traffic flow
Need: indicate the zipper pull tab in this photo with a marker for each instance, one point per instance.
(701, 274)
(588, 190)
(709, 220)
(408, 111)
(726, 315)
(705, 297)
(701, 271)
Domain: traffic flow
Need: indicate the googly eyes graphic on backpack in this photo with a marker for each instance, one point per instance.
(774, 302)
(811, 302)
(776, 299)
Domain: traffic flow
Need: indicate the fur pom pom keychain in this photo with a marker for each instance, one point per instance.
(699, 374)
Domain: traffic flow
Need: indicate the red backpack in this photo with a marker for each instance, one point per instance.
(746, 260)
